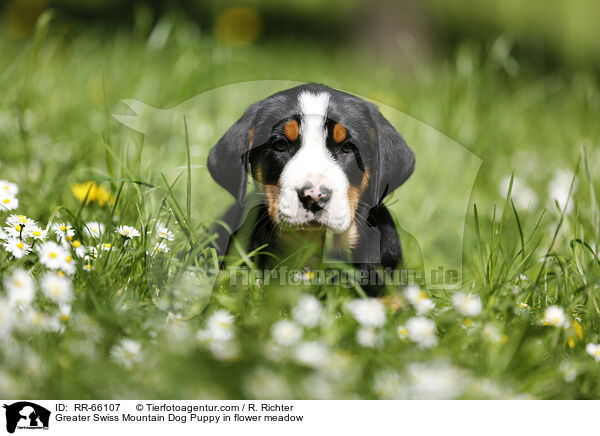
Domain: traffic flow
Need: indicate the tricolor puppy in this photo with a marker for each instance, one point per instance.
(322, 160)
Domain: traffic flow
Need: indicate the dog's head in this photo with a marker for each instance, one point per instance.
(316, 152)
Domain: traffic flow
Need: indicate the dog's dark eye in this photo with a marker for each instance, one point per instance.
(347, 147)
(280, 145)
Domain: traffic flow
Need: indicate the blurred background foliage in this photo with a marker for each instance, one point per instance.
(546, 32)
(514, 82)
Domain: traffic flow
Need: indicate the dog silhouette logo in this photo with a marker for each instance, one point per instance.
(26, 415)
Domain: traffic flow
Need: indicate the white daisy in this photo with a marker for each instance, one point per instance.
(57, 288)
(387, 385)
(204, 336)
(367, 337)
(8, 187)
(127, 353)
(311, 353)
(80, 249)
(18, 226)
(16, 247)
(286, 332)
(421, 331)
(225, 350)
(492, 333)
(368, 312)
(569, 371)
(127, 231)
(94, 229)
(37, 233)
(220, 325)
(64, 231)
(308, 311)
(594, 351)
(64, 312)
(161, 247)
(266, 384)
(162, 232)
(437, 380)
(8, 202)
(105, 247)
(32, 319)
(53, 255)
(467, 305)
(555, 316)
(20, 287)
(3, 234)
(15, 219)
(7, 317)
(68, 265)
(419, 300)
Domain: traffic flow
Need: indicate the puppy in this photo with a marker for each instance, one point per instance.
(321, 160)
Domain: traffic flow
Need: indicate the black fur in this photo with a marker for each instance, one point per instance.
(251, 145)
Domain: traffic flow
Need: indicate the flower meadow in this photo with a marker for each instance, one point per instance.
(84, 313)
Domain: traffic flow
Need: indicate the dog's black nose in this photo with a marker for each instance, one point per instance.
(314, 198)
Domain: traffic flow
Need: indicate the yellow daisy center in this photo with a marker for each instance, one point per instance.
(18, 227)
(20, 245)
(52, 255)
(63, 228)
(69, 258)
(6, 200)
(37, 233)
(76, 244)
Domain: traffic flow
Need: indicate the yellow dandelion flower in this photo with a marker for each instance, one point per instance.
(93, 192)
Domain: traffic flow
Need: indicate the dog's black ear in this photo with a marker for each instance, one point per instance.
(393, 160)
(228, 159)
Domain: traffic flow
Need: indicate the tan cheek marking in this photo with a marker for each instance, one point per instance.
(339, 133)
(352, 236)
(272, 192)
(291, 130)
(258, 175)
(354, 194)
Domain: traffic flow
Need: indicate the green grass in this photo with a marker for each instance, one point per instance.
(59, 91)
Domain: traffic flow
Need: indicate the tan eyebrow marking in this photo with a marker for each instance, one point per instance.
(339, 133)
(291, 130)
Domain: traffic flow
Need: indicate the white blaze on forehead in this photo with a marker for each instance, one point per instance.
(314, 163)
(313, 108)
(313, 153)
